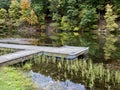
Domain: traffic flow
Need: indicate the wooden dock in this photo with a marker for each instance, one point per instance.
(24, 41)
(68, 52)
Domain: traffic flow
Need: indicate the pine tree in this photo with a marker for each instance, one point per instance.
(3, 21)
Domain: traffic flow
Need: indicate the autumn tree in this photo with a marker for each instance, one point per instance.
(33, 18)
(28, 15)
(25, 10)
(109, 46)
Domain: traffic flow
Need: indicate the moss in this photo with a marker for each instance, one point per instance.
(12, 79)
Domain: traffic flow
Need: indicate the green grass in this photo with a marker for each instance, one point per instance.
(12, 79)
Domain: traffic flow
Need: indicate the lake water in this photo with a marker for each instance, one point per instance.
(95, 43)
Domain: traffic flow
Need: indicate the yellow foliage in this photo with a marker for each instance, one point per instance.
(110, 18)
(111, 25)
(33, 19)
(109, 46)
(25, 4)
(65, 23)
(3, 13)
(14, 3)
(28, 15)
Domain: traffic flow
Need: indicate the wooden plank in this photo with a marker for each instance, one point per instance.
(16, 41)
(12, 56)
(69, 50)
(24, 47)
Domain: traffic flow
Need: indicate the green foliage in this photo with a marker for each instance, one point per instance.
(110, 18)
(40, 7)
(14, 15)
(73, 9)
(39, 10)
(3, 13)
(56, 17)
(89, 18)
(14, 10)
(116, 7)
(5, 4)
(84, 70)
(27, 66)
(109, 46)
(65, 23)
(10, 19)
(3, 17)
(3, 22)
(72, 15)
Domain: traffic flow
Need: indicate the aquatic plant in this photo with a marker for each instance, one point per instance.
(27, 66)
(86, 71)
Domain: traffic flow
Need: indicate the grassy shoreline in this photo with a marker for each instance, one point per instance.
(12, 79)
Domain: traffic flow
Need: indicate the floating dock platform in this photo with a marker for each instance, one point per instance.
(25, 51)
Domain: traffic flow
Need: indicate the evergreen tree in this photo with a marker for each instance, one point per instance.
(110, 19)
(14, 10)
(3, 21)
(109, 46)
